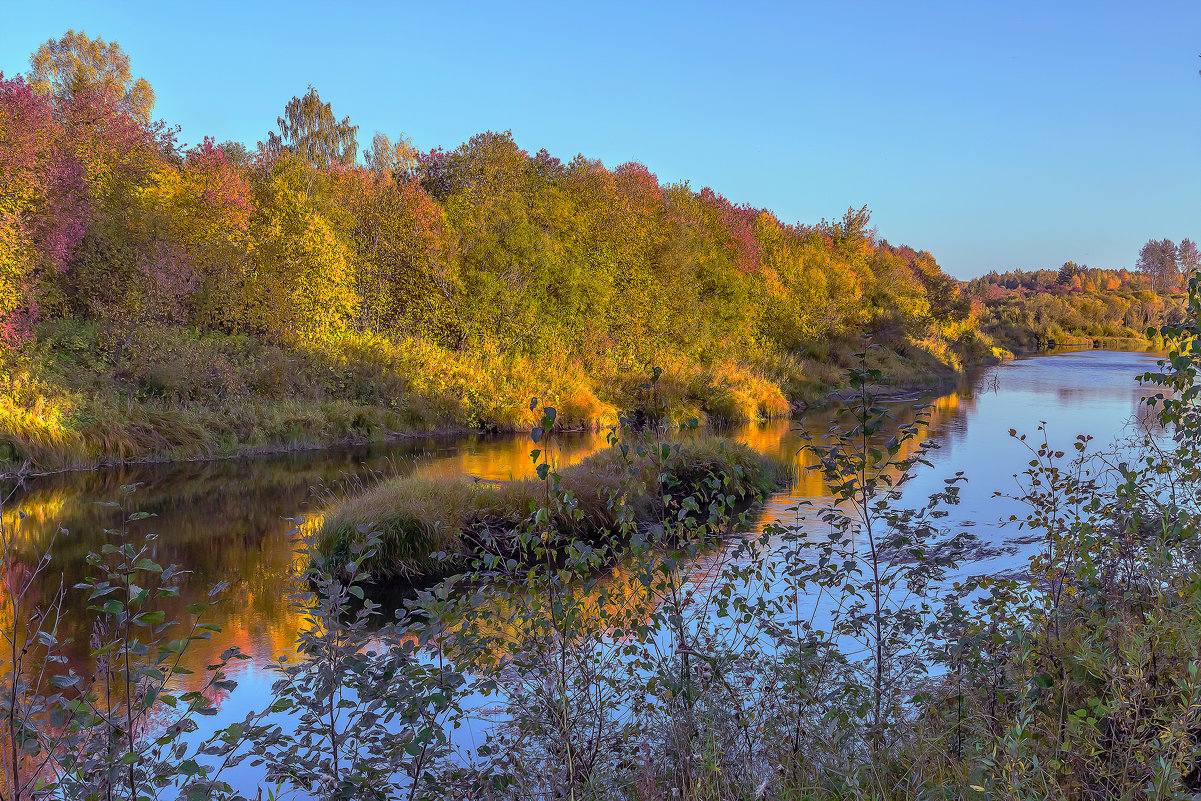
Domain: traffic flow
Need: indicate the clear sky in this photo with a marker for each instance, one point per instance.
(994, 134)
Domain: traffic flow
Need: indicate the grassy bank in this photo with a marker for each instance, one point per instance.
(418, 517)
(82, 393)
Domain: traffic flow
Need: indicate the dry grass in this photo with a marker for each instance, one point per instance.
(724, 392)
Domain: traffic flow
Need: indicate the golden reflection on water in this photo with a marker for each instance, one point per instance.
(785, 440)
(616, 601)
(505, 460)
(231, 522)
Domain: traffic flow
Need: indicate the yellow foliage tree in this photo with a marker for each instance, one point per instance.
(302, 273)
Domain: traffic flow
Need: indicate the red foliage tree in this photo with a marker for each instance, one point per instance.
(225, 188)
(44, 210)
(738, 222)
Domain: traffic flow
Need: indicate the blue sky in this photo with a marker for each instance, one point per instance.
(994, 134)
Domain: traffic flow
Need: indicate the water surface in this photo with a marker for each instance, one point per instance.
(229, 521)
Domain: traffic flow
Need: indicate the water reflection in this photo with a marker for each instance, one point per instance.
(229, 521)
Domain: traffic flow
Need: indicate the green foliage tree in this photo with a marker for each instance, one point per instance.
(302, 258)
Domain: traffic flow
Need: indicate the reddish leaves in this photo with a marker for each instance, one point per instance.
(43, 205)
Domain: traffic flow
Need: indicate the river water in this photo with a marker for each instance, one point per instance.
(229, 521)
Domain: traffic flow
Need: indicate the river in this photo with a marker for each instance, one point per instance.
(229, 520)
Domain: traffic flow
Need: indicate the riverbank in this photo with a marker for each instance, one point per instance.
(1109, 343)
(77, 398)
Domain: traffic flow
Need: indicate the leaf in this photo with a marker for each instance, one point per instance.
(63, 682)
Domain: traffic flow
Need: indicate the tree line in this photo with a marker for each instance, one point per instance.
(485, 246)
(1078, 304)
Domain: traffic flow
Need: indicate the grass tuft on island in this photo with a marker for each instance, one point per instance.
(430, 525)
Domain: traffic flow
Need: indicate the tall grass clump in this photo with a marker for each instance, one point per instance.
(426, 523)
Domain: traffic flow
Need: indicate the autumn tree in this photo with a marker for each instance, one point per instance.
(406, 271)
(309, 130)
(622, 239)
(202, 209)
(388, 158)
(236, 152)
(75, 63)
(851, 236)
(118, 154)
(302, 259)
(43, 205)
(715, 278)
(1188, 258)
(1157, 259)
(506, 256)
(1070, 270)
(799, 300)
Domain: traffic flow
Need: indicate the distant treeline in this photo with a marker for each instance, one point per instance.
(1075, 305)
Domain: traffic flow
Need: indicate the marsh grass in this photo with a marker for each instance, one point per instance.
(424, 523)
